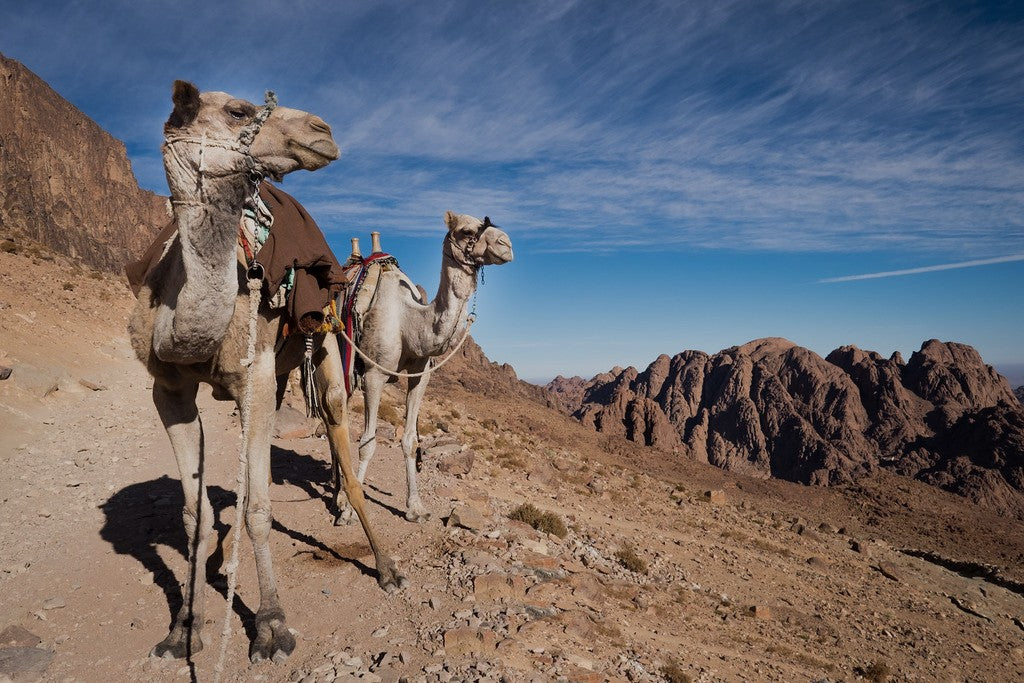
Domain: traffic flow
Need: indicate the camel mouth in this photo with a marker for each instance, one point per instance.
(324, 151)
(499, 258)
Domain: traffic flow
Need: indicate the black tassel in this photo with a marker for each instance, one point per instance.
(308, 385)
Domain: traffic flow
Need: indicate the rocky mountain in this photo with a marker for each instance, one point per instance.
(473, 371)
(65, 182)
(771, 408)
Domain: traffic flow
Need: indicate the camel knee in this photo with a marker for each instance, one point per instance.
(193, 520)
(409, 442)
(258, 520)
(334, 402)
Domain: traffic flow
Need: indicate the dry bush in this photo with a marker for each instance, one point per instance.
(878, 672)
(512, 460)
(547, 522)
(673, 673)
(628, 558)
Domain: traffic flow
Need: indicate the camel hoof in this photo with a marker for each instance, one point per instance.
(390, 580)
(274, 640)
(175, 647)
(346, 517)
(418, 517)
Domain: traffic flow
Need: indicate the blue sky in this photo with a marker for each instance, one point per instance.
(674, 175)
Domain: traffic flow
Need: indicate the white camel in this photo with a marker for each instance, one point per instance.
(192, 325)
(402, 332)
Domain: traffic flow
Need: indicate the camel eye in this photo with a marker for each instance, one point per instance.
(237, 114)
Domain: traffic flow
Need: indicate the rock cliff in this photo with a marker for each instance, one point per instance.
(771, 408)
(65, 182)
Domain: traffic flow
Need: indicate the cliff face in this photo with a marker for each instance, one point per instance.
(65, 182)
(772, 408)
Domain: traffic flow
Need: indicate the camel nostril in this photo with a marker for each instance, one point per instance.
(319, 125)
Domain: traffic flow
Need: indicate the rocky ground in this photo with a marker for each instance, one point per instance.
(667, 570)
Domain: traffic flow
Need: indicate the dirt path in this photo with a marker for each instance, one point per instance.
(756, 583)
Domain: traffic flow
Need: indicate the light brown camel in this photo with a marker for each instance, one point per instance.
(192, 325)
(401, 332)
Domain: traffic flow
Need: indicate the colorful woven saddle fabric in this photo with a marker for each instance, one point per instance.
(363, 278)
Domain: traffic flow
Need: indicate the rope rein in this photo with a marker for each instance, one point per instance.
(242, 479)
(430, 366)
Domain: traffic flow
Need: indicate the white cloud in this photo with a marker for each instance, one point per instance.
(926, 269)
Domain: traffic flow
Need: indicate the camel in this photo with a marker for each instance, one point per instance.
(192, 325)
(401, 332)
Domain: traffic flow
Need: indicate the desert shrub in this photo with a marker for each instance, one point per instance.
(511, 460)
(628, 558)
(547, 522)
(878, 672)
(68, 286)
(674, 674)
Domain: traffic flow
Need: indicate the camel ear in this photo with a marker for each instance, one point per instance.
(451, 219)
(186, 104)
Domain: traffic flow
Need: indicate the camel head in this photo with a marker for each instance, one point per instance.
(474, 242)
(288, 140)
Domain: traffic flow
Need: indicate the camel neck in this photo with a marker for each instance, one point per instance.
(203, 303)
(448, 309)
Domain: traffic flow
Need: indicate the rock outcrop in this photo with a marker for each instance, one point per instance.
(66, 182)
(772, 408)
(472, 371)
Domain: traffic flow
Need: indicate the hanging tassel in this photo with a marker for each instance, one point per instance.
(308, 385)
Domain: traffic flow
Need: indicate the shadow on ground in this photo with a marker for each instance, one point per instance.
(142, 517)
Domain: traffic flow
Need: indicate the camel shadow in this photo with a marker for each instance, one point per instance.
(142, 517)
(313, 476)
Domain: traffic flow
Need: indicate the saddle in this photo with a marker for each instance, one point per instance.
(362, 279)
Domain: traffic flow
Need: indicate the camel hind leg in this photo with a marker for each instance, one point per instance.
(334, 406)
(416, 511)
(373, 387)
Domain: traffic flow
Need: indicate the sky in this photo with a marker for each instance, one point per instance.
(673, 175)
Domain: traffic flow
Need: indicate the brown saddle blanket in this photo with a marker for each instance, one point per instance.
(295, 241)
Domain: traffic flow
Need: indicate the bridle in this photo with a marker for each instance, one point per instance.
(241, 145)
(464, 257)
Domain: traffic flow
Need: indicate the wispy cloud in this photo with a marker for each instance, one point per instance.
(926, 269)
(847, 127)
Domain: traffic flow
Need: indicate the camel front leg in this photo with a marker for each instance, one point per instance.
(180, 417)
(373, 387)
(416, 511)
(274, 640)
(334, 405)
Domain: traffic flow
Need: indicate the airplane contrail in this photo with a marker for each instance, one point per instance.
(926, 269)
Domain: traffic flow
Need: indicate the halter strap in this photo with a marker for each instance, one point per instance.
(240, 145)
(464, 257)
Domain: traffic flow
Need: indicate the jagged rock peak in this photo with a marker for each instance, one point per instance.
(772, 408)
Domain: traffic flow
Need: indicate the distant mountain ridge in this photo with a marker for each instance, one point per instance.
(67, 183)
(772, 408)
